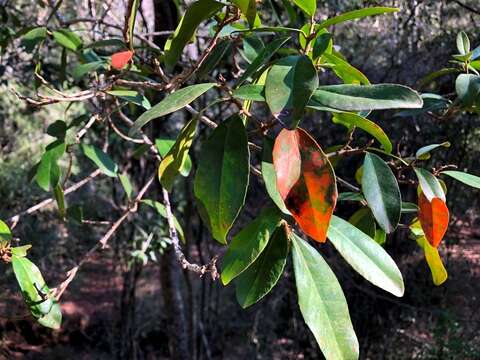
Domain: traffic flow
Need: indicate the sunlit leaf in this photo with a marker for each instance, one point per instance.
(367, 257)
(305, 181)
(67, 39)
(5, 234)
(434, 261)
(309, 6)
(222, 176)
(429, 184)
(322, 303)
(101, 159)
(381, 191)
(424, 152)
(132, 96)
(345, 71)
(357, 14)
(468, 179)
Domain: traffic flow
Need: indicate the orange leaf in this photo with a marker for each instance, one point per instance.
(120, 59)
(434, 218)
(305, 181)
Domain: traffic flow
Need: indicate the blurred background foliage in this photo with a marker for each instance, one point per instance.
(117, 307)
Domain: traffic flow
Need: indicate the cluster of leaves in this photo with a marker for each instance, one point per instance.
(299, 176)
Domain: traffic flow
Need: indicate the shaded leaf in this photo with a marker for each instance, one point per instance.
(322, 303)
(248, 8)
(33, 37)
(305, 181)
(249, 243)
(60, 199)
(222, 176)
(433, 216)
(381, 191)
(258, 279)
(290, 83)
(81, 70)
(172, 102)
(101, 159)
(126, 184)
(58, 129)
(363, 220)
(367, 257)
(67, 39)
(196, 13)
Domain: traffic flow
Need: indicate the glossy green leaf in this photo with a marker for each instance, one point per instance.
(357, 14)
(381, 191)
(126, 184)
(263, 57)
(380, 236)
(252, 46)
(131, 96)
(20, 251)
(363, 220)
(172, 102)
(468, 179)
(366, 97)
(196, 13)
(322, 303)
(288, 87)
(222, 176)
(101, 159)
(249, 243)
(429, 184)
(258, 279)
(162, 211)
(463, 43)
(424, 152)
(5, 234)
(323, 44)
(345, 71)
(177, 156)
(268, 174)
(408, 207)
(248, 9)
(467, 87)
(367, 257)
(36, 293)
(350, 196)
(352, 119)
(67, 39)
(250, 92)
(309, 6)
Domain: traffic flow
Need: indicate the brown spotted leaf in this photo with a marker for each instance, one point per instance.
(305, 181)
(433, 216)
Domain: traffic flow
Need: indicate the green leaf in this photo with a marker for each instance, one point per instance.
(48, 171)
(263, 57)
(67, 39)
(162, 211)
(408, 207)
(363, 220)
(322, 303)
(58, 129)
(249, 243)
(252, 46)
(60, 199)
(381, 191)
(20, 251)
(36, 293)
(380, 236)
(323, 44)
(429, 184)
(463, 43)
(196, 13)
(222, 176)
(126, 184)
(177, 156)
(367, 257)
(366, 97)
(308, 6)
(131, 20)
(131, 96)
(468, 179)
(350, 196)
(81, 70)
(250, 92)
(213, 59)
(259, 278)
(424, 152)
(5, 234)
(467, 87)
(352, 119)
(164, 146)
(248, 9)
(102, 160)
(33, 37)
(172, 102)
(357, 14)
(288, 87)
(268, 174)
(345, 71)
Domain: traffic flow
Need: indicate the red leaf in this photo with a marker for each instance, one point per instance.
(120, 59)
(305, 181)
(434, 218)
